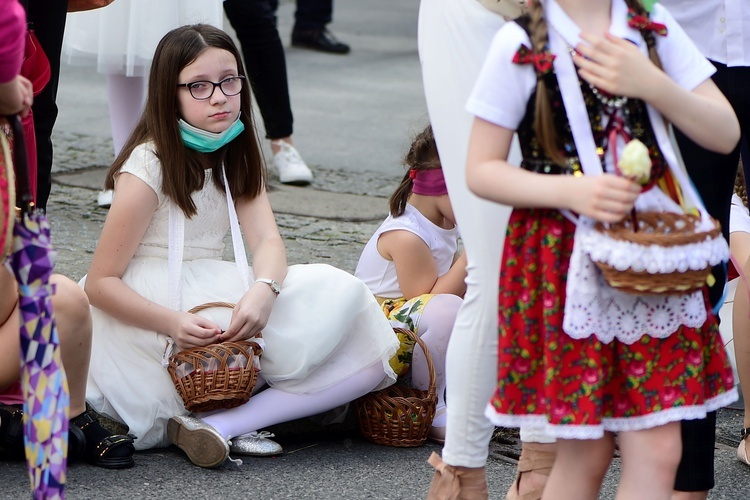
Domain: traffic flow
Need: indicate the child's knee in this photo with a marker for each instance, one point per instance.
(71, 306)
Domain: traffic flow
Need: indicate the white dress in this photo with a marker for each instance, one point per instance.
(120, 39)
(325, 325)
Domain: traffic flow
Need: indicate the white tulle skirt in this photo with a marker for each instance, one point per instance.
(325, 327)
(120, 39)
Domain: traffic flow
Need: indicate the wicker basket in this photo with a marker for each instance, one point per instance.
(216, 376)
(399, 416)
(662, 229)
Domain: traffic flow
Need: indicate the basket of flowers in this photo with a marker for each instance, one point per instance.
(656, 252)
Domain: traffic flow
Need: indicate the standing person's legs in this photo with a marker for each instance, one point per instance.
(313, 14)
(310, 32)
(713, 175)
(453, 39)
(254, 21)
(48, 18)
(127, 96)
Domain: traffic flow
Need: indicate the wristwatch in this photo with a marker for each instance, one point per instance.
(275, 287)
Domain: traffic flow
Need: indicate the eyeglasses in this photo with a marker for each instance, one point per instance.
(203, 89)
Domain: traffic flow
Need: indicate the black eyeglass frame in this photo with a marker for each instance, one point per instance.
(187, 85)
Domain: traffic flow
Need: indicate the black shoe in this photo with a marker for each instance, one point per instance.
(11, 432)
(322, 40)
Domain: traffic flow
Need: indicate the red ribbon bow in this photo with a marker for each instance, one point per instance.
(644, 23)
(542, 61)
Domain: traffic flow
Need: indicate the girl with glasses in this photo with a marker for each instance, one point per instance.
(191, 169)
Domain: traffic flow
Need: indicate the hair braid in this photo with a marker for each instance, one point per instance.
(544, 123)
(648, 35)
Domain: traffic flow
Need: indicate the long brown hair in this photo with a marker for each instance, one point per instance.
(422, 155)
(182, 168)
(544, 124)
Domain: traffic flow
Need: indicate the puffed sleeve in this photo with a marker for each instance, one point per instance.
(681, 59)
(144, 164)
(503, 88)
(12, 39)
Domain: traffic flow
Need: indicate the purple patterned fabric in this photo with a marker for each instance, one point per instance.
(45, 387)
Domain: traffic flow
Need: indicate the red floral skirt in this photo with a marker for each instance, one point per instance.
(578, 389)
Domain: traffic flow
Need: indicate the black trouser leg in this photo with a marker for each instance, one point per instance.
(254, 21)
(313, 14)
(48, 18)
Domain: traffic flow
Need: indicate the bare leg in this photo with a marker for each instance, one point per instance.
(579, 469)
(73, 319)
(649, 462)
(741, 336)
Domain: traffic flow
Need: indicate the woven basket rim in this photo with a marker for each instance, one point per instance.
(374, 423)
(623, 230)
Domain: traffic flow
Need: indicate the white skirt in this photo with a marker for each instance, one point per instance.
(120, 39)
(325, 327)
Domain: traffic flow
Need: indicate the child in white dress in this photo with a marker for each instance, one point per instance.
(411, 265)
(160, 254)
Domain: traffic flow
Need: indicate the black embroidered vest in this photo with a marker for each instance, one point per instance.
(634, 114)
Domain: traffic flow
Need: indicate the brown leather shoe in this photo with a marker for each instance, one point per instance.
(321, 40)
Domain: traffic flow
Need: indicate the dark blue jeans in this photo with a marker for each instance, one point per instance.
(254, 21)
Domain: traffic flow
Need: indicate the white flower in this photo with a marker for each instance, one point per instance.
(635, 163)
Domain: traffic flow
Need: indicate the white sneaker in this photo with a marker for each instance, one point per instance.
(104, 199)
(290, 165)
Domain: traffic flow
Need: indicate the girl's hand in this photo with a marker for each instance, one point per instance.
(605, 198)
(251, 313)
(615, 65)
(192, 330)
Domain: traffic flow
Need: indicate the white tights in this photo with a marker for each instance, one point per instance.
(127, 96)
(435, 326)
(273, 406)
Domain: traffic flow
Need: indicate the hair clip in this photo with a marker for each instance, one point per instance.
(412, 174)
(542, 61)
(644, 23)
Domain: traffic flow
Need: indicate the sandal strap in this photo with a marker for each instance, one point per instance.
(745, 432)
(83, 420)
(110, 442)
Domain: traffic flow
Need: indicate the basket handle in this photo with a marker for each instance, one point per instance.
(428, 357)
(209, 305)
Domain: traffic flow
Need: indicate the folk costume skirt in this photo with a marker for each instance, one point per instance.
(578, 389)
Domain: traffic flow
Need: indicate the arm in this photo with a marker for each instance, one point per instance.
(16, 96)
(619, 67)
(606, 197)
(126, 223)
(252, 311)
(415, 266)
